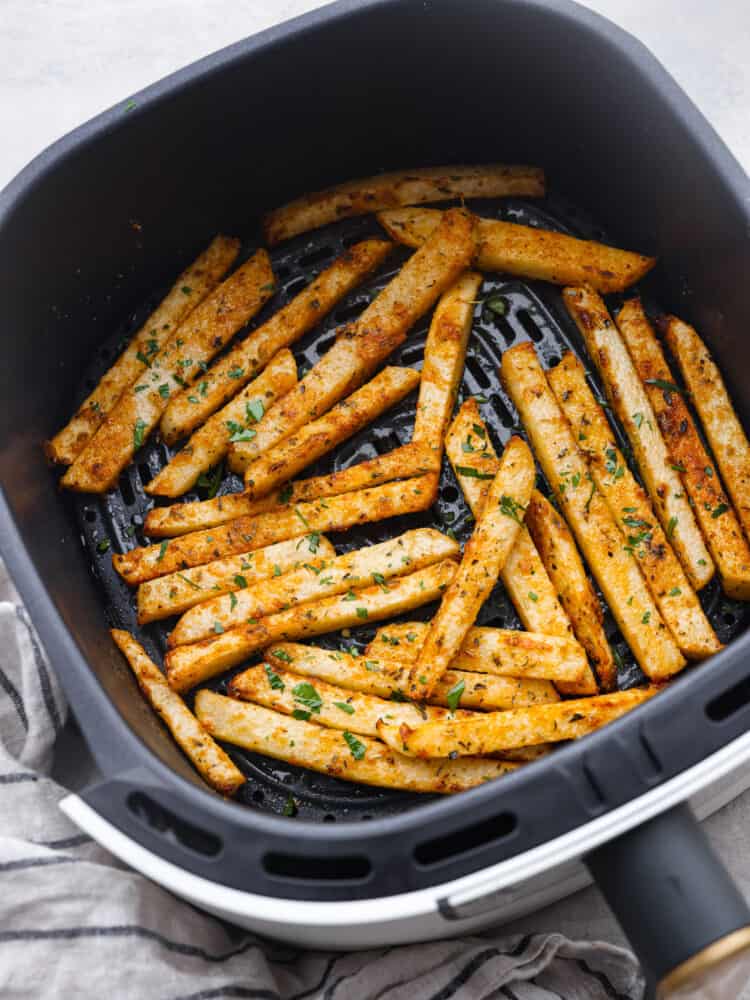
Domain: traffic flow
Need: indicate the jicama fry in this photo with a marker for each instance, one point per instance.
(559, 554)
(632, 511)
(230, 373)
(245, 534)
(633, 409)
(315, 439)
(381, 328)
(615, 569)
(204, 753)
(484, 556)
(723, 429)
(385, 676)
(490, 732)
(192, 286)
(235, 421)
(188, 665)
(202, 335)
(711, 506)
(341, 755)
(501, 651)
(176, 592)
(475, 462)
(444, 355)
(327, 704)
(315, 579)
(402, 463)
(530, 252)
(403, 187)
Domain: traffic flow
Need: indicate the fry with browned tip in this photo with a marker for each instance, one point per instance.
(206, 755)
(484, 556)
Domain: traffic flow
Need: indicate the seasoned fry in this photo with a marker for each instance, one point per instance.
(235, 421)
(202, 335)
(341, 755)
(500, 651)
(245, 534)
(188, 665)
(402, 463)
(491, 732)
(555, 545)
(315, 579)
(633, 409)
(484, 555)
(386, 676)
(315, 439)
(292, 694)
(632, 511)
(711, 399)
(192, 286)
(712, 507)
(730, 447)
(381, 328)
(530, 252)
(473, 457)
(403, 187)
(206, 755)
(230, 373)
(176, 592)
(444, 355)
(615, 569)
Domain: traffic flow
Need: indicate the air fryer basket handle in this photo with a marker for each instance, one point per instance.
(674, 899)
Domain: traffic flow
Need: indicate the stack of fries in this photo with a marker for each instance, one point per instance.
(444, 705)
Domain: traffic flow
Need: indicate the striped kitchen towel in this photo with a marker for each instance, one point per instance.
(75, 923)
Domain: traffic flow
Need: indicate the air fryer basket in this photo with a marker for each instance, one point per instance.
(101, 221)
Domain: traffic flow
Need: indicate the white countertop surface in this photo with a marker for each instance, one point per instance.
(62, 62)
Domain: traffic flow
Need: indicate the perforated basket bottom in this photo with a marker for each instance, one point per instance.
(534, 311)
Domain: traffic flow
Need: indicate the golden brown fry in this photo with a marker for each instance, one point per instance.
(188, 665)
(491, 732)
(633, 409)
(444, 355)
(230, 373)
(402, 463)
(501, 651)
(632, 511)
(176, 592)
(615, 569)
(484, 556)
(359, 759)
(202, 335)
(720, 423)
(711, 505)
(192, 286)
(403, 187)
(474, 461)
(273, 686)
(207, 756)
(236, 420)
(385, 676)
(315, 439)
(530, 252)
(315, 579)
(555, 545)
(381, 328)
(245, 534)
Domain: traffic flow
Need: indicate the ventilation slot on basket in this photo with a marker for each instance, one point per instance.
(468, 838)
(730, 702)
(162, 821)
(304, 869)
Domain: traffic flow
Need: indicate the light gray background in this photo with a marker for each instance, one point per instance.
(62, 61)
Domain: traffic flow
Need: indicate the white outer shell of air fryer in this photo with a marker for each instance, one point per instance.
(492, 895)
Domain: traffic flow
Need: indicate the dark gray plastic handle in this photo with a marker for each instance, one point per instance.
(669, 891)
